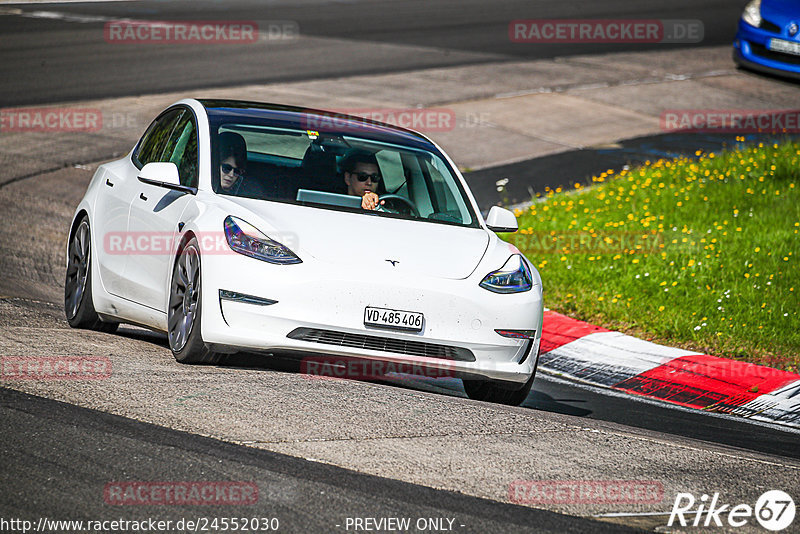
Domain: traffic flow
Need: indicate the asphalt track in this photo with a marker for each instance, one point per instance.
(45, 59)
(304, 496)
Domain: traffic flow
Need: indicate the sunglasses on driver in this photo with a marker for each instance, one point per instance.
(363, 177)
(226, 169)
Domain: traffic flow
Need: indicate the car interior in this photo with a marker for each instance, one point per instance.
(305, 167)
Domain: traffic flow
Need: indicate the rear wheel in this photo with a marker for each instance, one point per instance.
(185, 307)
(78, 305)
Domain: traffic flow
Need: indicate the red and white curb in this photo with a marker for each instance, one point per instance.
(624, 363)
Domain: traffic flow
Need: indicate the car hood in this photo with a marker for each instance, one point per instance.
(780, 12)
(372, 242)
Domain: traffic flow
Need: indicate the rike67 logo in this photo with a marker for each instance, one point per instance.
(774, 510)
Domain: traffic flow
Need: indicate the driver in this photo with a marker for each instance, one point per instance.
(363, 177)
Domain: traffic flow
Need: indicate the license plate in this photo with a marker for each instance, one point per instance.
(788, 47)
(393, 319)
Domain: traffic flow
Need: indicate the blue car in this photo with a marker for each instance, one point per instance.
(769, 37)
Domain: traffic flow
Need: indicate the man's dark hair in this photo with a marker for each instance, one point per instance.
(356, 156)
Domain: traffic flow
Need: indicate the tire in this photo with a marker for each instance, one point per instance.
(500, 393)
(185, 308)
(78, 303)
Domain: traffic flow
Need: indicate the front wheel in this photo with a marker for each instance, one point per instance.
(185, 306)
(78, 304)
(488, 391)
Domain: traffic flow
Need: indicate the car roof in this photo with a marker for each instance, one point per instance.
(332, 122)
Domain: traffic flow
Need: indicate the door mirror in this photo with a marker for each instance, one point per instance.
(501, 220)
(163, 174)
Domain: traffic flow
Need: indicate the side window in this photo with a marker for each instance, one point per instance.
(181, 149)
(391, 168)
(155, 139)
(446, 194)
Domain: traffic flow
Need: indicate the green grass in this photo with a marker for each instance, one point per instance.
(700, 253)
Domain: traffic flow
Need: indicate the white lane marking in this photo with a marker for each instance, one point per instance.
(66, 17)
(34, 2)
(638, 514)
(264, 31)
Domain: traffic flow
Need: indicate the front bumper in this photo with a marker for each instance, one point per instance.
(309, 298)
(750, 50)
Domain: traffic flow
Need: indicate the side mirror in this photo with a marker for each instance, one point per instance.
(501, 220)
(163, 174)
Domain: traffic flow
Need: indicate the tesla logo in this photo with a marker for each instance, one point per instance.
(393, 262)
(792, 28)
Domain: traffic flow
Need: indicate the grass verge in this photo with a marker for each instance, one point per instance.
(700, 253)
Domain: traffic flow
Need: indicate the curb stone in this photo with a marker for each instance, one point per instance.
(624, 363)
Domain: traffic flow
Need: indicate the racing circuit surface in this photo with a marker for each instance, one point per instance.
(322, 451)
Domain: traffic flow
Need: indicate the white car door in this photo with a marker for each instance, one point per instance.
(155, 214)
(110, 224)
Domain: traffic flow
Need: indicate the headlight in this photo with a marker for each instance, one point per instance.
(752, 13)
(246, 239)
(513, 277)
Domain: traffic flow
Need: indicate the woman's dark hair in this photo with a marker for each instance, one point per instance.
(232, 144)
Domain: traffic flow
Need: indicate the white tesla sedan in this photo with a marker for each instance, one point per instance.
(239, 226)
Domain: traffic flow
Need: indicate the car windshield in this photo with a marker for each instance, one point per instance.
(290, 165)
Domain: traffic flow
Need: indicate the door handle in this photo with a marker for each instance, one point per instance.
(109, 183)
(141, 195)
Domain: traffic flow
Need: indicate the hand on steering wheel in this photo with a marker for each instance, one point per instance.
(390, 199)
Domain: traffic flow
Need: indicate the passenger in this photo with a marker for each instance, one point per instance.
(232, 161)
(363, 177)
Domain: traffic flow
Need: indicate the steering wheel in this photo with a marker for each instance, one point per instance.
(402, 200)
